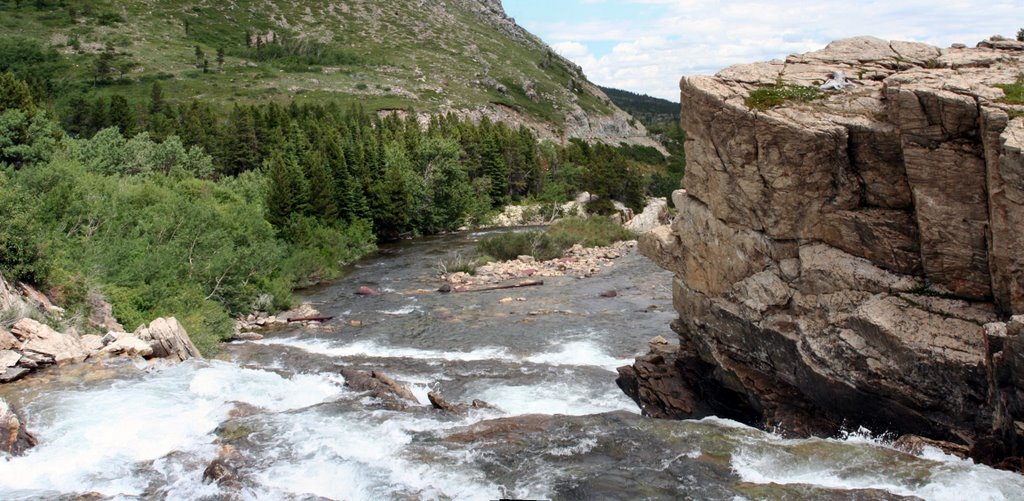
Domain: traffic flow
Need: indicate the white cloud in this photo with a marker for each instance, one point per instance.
(650, 54)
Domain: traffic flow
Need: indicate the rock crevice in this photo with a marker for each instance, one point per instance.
(851, 260)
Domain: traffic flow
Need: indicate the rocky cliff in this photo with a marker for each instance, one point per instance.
(855, 259)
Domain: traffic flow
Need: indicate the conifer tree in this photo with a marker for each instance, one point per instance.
(322, 197)
(120, 115)
(240, 146)
(156, 99)
(287, 189)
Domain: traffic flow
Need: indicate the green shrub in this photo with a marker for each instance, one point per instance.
(508, 246)
(551, 244)
(457, 262)
(771, 96)
(600, 206)
(588, 232)
(1014, 91)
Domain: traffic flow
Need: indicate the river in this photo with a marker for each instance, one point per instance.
(560, 428)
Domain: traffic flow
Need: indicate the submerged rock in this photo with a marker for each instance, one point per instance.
(380, 386)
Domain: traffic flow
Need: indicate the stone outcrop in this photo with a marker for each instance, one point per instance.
(168, 340)
(851, 260)
(44, 345)
(653, 216)
(31, 345)
(14, 438)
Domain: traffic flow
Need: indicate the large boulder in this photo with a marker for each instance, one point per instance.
(47, 345)
(168, 340)
(854, 259)
(653, 216)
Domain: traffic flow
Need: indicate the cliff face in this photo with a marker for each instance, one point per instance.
(852, 260)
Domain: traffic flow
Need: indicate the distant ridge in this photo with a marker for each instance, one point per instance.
(648, 110)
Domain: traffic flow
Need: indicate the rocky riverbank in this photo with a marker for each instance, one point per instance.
(30, 345)
(853, 260)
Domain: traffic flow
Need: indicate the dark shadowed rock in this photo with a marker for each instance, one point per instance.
(441, 404)
(14, 438)
(380, 386)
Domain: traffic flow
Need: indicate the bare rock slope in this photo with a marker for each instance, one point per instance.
(852, 260)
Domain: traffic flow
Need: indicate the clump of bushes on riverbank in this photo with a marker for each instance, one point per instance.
(552, 243)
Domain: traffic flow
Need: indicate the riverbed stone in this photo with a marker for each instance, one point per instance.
(14, 438)
(168, 340)
(129, 345)
(40, 339)
(9, 358)
(8, 341)
(389, 392)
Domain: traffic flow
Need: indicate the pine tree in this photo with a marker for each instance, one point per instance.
(156, 99)
(76, 118)
(240, 146)
(15, 94)
(120, 115)
(322, 197)
(98, 116)
(104, 67)
(287, 189)
(494, 167)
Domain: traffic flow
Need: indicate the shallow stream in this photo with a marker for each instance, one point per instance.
(560, 427)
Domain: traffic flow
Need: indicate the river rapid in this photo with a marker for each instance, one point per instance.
(560, 428)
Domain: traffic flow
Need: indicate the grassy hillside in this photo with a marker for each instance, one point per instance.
(650, 111)
(393, 54)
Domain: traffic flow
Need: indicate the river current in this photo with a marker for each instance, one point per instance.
(560, 428)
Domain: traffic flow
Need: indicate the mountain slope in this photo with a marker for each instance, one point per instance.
(453, 55)
(648, 110)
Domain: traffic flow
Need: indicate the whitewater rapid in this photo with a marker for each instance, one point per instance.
(559, 426)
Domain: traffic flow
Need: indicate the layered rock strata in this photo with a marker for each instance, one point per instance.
(854, 260)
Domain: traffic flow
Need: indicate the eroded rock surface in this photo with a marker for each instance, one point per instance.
(852, 260)
(14, 438)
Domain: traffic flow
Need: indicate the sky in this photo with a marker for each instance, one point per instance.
(645, 46)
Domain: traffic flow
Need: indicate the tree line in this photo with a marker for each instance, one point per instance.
(206, 213)
(408, 177)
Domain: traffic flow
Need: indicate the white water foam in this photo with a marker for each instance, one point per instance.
(405, 310)
(948, 478)
(362, 456)
(373, 350)
(556, 398)
(573, 353)
(101, 439)
(583, 353)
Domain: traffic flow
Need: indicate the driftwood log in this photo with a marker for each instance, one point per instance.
(533, 283)
(309, 319)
